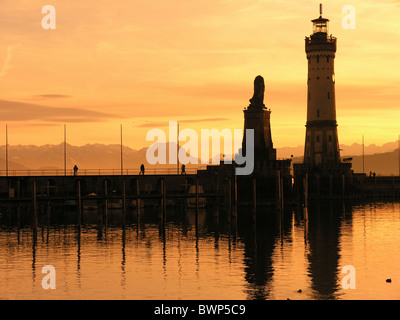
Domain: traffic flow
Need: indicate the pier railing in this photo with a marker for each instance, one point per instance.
(99, 172)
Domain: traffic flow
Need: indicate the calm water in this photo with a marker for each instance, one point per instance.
(270, 257)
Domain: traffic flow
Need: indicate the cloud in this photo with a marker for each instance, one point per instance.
(50, 96)
(156, 124)
(19, 111)
(7, 62)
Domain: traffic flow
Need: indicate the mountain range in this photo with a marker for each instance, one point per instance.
(383, 160)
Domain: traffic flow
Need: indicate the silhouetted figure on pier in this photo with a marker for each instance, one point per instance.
(141, 169)
(75, 170)
(183, 169)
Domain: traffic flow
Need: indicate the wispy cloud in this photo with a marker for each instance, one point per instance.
(49, 96)
(7, 61)
(20, 111)
(154, 124)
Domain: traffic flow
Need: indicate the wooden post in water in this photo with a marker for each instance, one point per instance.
(197, 201)
(79, 204)
(343, 185)
(48, 203)
(282, 204)
(18, 205)
(235, 194)
(137, 201)
(124, 205)
(279, 200)
(254, 194)
(163, 199)
(230, 195)
(306, 191)
(106, 202)
(35, 212)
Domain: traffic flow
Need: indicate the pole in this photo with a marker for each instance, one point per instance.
(235, 194)
(177, 150)
(106, 206)
(6, 150)
(65, 149)
(398, 151)
(122, 165)
(363, 154)
(163, 201)
(79, 204)
(137, 201)
(35, 213)
(306, 191)
(282, 195)
(197, 203)
(279, 189)
(254, 194)
(124, 205)
(230, 195)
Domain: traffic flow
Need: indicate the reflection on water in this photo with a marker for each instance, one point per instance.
(267, 255)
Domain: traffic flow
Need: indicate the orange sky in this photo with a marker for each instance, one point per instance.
(145, 62)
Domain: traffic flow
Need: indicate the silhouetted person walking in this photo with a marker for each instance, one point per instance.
(75, 170)
(183, 169)
(141, 169)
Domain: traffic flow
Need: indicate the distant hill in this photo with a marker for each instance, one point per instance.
(345, 150)
(385, 164)
(90, 156)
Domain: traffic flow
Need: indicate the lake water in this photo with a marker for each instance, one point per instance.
(266, 256)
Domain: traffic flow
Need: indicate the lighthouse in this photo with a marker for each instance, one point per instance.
(321, 141)
(322, 174)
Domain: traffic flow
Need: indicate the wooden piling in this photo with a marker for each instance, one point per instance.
(124, 205)
(79, 205)
(306, 191)
(18, 206)
(343, 185)
(197, 202)
(48, 203)
(279, 195)
(235, 194)
(35, 208)
(164, 209)
(282, 203)
(137, 201)
(229, 195)
(106, 202)
(254, 194)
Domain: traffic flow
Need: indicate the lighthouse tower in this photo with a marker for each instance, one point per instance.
(321, 143)
(322, 174)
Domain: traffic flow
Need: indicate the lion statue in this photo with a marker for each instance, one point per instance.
(257, 101)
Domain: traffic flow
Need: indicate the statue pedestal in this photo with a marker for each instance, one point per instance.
(258, 119)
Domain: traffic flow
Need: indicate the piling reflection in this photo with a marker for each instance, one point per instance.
(210, 250)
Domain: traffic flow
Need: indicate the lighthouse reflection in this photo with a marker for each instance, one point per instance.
(324, 225)
(271, 233)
